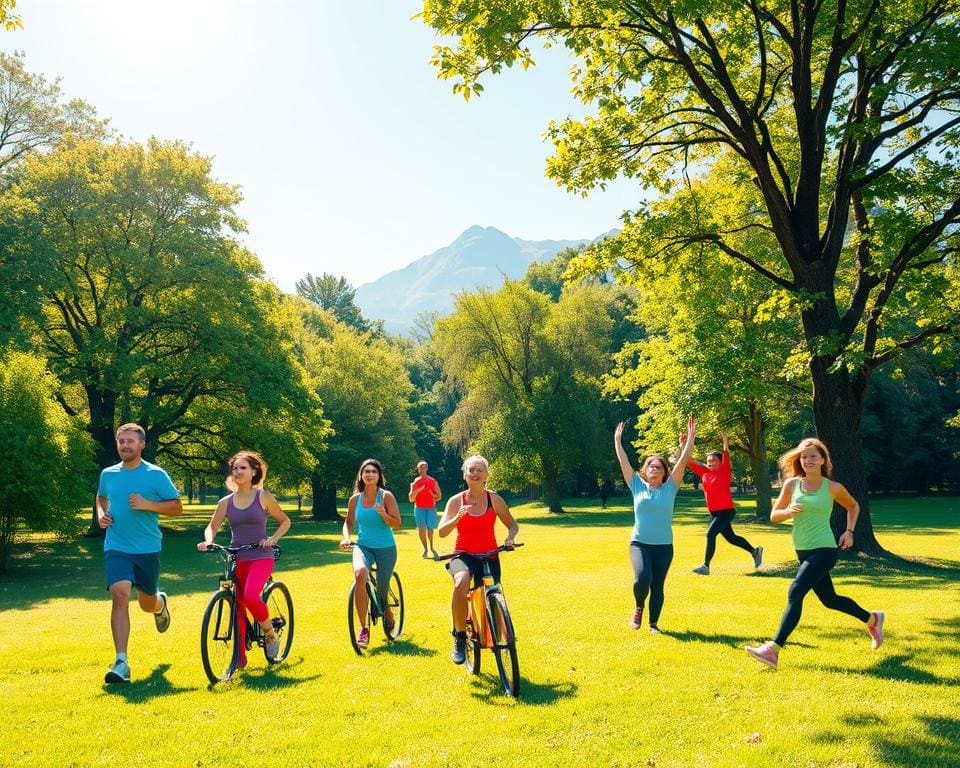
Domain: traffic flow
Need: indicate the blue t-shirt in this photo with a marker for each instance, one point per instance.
(134, 531)
(372, 531)
(653, 511)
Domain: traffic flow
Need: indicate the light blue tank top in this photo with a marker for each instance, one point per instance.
(372, 531)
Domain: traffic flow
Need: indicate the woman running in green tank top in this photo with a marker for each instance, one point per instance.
(807, 497)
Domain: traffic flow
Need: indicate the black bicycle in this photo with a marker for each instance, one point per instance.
(219, 638)
(375, 610)
(489, 624)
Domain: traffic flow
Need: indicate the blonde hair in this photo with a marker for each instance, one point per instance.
(132, 426)
(470, 459)
(790, 461)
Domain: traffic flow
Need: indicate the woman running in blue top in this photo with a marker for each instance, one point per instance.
(374, 511)
(654, 491)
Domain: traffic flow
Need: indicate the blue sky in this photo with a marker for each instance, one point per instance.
(352, 157)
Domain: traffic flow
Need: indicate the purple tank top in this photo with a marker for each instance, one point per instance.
(248, 526)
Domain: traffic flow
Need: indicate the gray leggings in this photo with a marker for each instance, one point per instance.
(650, 565)
(385, 558)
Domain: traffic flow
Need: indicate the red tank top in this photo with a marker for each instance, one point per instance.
(475, 533)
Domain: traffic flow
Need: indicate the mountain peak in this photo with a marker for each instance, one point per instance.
(480, 256)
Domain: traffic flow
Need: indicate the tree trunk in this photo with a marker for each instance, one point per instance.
(837, 407)
(756, 429)
(102, 411)
(551, 486)
(324, 499)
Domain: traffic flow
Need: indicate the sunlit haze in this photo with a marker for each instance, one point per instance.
(352, 156)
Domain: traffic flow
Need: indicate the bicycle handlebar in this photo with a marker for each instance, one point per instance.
(221, 550)
(479, 555)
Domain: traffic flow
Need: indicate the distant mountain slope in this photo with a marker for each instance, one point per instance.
(481, 256)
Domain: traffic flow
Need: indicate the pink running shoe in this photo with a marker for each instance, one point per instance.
(765, 654)
(637, 618)
(363, 639)
(876, 631)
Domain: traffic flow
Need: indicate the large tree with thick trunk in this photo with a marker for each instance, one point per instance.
(844, 116)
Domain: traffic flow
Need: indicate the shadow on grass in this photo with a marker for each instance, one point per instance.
(890, 571)
(50, 570)
(487, 687)
(612, 517)
(900, 668)
(401, 647)
(138, 691)
(933, 743)
(272, 678)
(947, 630)
(735, 641)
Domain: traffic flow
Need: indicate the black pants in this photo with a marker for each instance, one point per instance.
(720, 525)
(814, 573)
(650, 565)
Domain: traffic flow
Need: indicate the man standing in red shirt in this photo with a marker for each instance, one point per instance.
(425, 493)
(716, 477)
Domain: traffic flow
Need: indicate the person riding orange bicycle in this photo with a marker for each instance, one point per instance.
(473, 513)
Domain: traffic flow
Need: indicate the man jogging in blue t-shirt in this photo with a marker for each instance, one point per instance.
(131, 497)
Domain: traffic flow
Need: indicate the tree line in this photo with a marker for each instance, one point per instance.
(127, 295)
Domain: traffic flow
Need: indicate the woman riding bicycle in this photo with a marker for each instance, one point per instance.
(246, 511)
(374, 511)
(474, 514)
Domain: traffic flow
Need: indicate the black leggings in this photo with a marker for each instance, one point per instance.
(650, 565)
(720, 525)
(814, 573)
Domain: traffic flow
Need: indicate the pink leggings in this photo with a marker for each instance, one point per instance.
(252, 575)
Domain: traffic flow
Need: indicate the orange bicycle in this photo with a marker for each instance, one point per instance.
(489, 624)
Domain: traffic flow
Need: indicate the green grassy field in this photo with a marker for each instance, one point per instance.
(594, 692)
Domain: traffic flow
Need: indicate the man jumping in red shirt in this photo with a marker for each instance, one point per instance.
(716, 477)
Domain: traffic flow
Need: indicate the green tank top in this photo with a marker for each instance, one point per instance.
(811, 530)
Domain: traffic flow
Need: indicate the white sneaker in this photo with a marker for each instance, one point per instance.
(703, 570)
(765, 654)
(119, 673)
(876, 631)
(757, 557)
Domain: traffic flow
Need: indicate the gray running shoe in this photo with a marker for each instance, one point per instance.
(703, 570)
(119, 673)
(163, 618)
(459, 653)
(272, 646)
(757, 557)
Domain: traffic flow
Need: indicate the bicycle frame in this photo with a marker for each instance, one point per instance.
(221, 621)
(489, 624)
(375, 607)
(478, 605)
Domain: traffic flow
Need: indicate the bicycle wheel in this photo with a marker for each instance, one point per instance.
(218, 637)
(474, 646)
(352, 623)
(505, 645)
(395, 604)
(277, 598)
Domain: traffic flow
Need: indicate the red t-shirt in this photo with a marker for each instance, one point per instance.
(475, 533)
(424, 486)
(716, 483)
